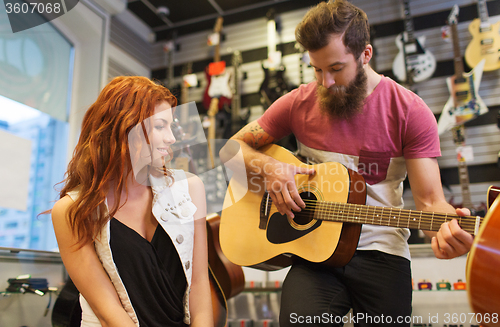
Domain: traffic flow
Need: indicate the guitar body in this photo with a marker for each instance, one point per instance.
(485, 44)
(219, 304)
(252, 236)
(464, 102)
(273, 86)
(483, 286)
(229, 276)
(225, 99)
(419, 61)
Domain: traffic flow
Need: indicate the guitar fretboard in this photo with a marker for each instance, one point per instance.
(457, 58)
(408, 22)
(391, 217)
(483, 13)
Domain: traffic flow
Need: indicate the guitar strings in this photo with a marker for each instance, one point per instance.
(328, 207)
(426, 218)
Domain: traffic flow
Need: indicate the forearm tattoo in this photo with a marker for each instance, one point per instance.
(254, 136)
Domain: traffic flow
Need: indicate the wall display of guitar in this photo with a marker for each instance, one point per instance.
(239, 117)
(183, 158)
(216, 101)
(483, 264)
(253, 233)
(413, 63)
(274, 84)
(485, 43)
(464, 103)
(463, 173)
(217, 77)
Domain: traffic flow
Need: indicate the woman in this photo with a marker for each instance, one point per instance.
(132, 233)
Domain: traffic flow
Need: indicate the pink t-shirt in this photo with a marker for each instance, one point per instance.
(394, 121)
(395, 125)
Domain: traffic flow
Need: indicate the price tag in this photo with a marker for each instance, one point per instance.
(465, 153)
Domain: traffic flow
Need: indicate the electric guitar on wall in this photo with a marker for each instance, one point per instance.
(464, 103)
(274, 85)
(253, 233)
(217, 77)
(239, 117)
(485, 43)
(413, 63)
(463, 172)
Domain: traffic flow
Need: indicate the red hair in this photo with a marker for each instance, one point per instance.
(102, 154)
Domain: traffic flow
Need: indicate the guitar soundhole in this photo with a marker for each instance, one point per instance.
(305, 216)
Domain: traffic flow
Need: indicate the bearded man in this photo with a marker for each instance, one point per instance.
(369, 123)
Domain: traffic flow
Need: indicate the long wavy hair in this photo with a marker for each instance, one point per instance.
(102, 155)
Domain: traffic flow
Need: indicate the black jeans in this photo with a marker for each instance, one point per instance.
(376, 285)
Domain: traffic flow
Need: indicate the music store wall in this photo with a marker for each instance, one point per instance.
(387, 18)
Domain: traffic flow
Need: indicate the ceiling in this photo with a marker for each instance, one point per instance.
(169, 18)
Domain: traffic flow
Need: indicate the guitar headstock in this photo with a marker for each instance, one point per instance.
(453, 16)
(237, 59)
(271, 13)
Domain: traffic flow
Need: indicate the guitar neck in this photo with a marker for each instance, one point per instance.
(458, 63)
(483, 12)
(236, 100)
(408, 23)
(391, 217)
(463, 175)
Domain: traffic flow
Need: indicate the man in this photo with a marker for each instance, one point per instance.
(372, 125)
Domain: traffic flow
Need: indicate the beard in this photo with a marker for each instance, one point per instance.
(341, 101)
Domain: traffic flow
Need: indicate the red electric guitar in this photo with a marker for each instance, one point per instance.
(218, 78)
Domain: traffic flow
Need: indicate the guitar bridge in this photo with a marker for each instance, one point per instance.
(265, 209)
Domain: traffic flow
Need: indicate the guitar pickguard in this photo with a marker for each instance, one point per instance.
(414, 58)
(464, 102)
(281, 229)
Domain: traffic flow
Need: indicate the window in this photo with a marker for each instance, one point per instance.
(36, 66)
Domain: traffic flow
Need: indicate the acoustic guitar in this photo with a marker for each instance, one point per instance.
(230, 277)
(253, 233)
(485, 43)
(464, 103)
(483, 264)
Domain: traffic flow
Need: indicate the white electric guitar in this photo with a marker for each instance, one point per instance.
(464, 103)
(413, 63)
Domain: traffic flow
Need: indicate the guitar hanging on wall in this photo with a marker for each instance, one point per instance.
(413, 63)
(217, 76)
(274, 85)
(463, 172)
(239, 117)
(464, 103)
(485, 43)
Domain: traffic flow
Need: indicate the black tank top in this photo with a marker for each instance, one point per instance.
(152, 274)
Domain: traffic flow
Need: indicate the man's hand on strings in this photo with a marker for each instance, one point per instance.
(451, 240)
(280, 183)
